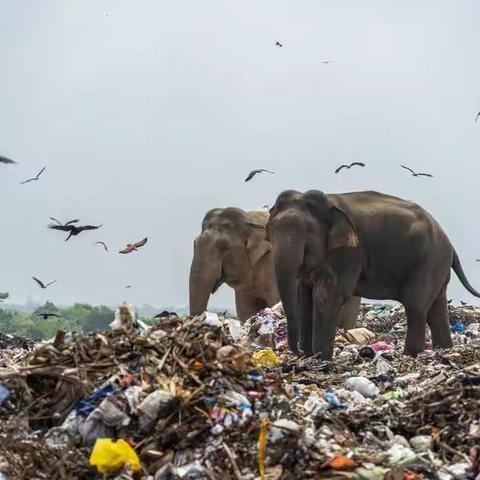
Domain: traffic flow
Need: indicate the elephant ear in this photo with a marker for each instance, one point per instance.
(342, 231)
(257, 245)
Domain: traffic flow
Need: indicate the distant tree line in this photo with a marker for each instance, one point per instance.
(79, 317)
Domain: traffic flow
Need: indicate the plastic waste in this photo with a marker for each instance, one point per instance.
(315, 406)
(281, 428)
(266, 358)
(159, 404)
(235, 329)
(108, 455)
(421, 443)
(87, 406)
(333, 400)
(473, 329)
(381, 346)
(190, 470)
(362, 385)
(458, 327)
(211, 319)
(4, 393)
(382, 365)
(399, 454)
(103, 422)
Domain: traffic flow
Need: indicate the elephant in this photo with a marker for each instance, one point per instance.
(232, 249)
(329, 247)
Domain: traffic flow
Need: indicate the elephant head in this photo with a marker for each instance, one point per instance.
(305, 231)
(231, 243)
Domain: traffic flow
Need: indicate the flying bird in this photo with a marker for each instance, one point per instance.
(478, 115)
(463, 303)
(278, 44)
(415, 174)
(73, 230)
(132, 247)
(477, 259)
(102, 243)
(34, 178)
(128, 286)
(341, 167)
(6, 160)
(47, 315)
(41, 284)
(326, 62)
(254, 172)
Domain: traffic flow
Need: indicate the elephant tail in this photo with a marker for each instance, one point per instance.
(457, 268)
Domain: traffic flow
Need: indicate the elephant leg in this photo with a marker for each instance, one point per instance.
(349, 313)
(247, 305)
(326, 309)
(437, 320)
(305, 317)
(416, 328)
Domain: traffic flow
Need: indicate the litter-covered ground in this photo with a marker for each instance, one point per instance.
(209, 398)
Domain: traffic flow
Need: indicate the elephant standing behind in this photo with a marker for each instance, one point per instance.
(328, 248)
(232, 249)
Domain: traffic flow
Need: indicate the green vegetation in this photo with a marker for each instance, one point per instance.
(79, 317)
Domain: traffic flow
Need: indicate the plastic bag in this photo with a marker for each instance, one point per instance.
(109, 456)
(266, 358)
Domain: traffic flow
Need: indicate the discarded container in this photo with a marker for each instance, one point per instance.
(109, 456)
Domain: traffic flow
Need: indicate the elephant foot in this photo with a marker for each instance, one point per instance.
(412, 350)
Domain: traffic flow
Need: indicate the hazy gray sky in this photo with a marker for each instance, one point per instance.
(149, 113)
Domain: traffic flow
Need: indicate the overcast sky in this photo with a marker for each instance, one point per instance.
(149, 113)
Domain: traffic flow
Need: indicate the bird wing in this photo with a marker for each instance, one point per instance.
(129, 248)
(478, 115)
(40, 283)
(251, 175)
(53, 315)
(141, 243)
(360, 164)
(424, 175)
(262, 170)
(406, 168)
(72, 221)
(63, 228)
(40, 172)
(6, 160)
(26, 181)
(89, 227)
(341, 167)
(55, 220)
(51, 283)
(104, 245)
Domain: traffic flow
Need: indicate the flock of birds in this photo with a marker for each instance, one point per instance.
(339, 169)
(73, 230)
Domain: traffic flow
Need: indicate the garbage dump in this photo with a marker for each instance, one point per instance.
(211, 398)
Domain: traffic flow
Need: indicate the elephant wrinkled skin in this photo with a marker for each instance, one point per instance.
(328, 248)
(232, 249)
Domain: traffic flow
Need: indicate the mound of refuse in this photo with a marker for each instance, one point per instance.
(211, 398)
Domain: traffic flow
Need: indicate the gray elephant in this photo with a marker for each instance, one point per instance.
(327, 248)
(232, 249)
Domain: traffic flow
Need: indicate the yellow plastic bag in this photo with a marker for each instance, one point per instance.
(109, 456)
(266, 358)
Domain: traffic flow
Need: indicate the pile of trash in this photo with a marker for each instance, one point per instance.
(10, 341)
(211, 398)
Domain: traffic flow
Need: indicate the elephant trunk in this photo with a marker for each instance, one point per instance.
(205, 275)
(288, 247)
